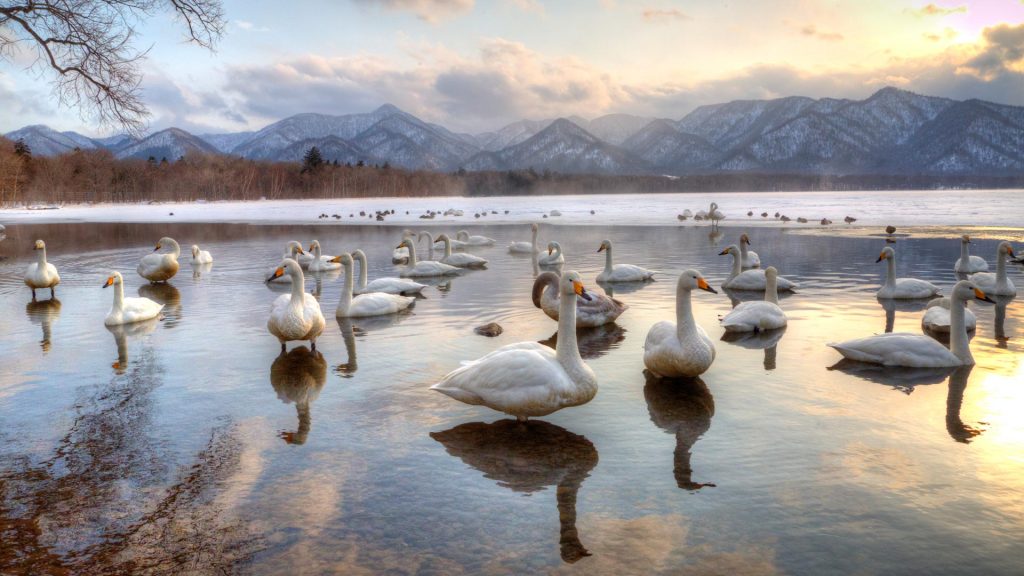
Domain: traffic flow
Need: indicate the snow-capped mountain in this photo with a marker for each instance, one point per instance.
(226, 142)
(45, 141)
(331, 148)
(171, 144)
(614, 128)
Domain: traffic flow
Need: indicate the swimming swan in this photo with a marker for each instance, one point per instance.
(295, 316)
(400, 255)
(997, 284)
(757, 316)
(160, 267)
(461, 259)
(292, 250)
(740, 279)
(918, 350)
(526, 247)
(750, 258)
(200, 256)
(683, 349)
(474, 240)
(902, 288)
(620, 272)
(597, 311)
(128, 310)
(554, 256)
(388, 285)
(937, 318)
(529, 379)
(968, 264)
(366, 304)
(424, 268)
(319, 262)
(41, 274)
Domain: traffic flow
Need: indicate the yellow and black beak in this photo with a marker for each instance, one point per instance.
(580, 291)
(880, 257)
(724, 252)
(601, 249)
(157, 248)
(703, 285)
(277, 273)
(981, 296)
(550, 249)
(109, 282)
(336, 260)
(1009, 250)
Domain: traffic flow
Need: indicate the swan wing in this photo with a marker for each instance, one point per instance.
(599, 310)
(378, 303)
(754, 316)
(915, 288)
(898, 349)
(139, 309)
(392, 285)
(521, 381)
(937, 319)
(312, 316)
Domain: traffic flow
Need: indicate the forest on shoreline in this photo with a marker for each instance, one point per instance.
(95, 176)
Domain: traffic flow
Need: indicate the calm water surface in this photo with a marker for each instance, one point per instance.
(190, 445)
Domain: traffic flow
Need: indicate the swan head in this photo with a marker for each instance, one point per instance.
(534, 227)
(744, 239)
(294, 248)
(39, 245)
(713, 207)
(160, 243)
(965, 239)
(287, 265)
(114, 278)
(1005, 249)
(443, 238)
(691, 280)
(343, 259)
(314, 246)
(732, 249)
(405, 243)
(605, 245)
(552, 246)
(572, 285)
(462, 234)
(966, 290)
(771, 273)
(195, 251)
(887, 254)
(358, 254)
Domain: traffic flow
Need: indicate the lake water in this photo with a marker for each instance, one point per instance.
(190, 446)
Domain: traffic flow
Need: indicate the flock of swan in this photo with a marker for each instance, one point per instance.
(528, 379)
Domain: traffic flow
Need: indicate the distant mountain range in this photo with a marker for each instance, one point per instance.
(892, 132)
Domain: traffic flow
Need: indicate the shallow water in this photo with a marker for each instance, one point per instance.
(190, 445)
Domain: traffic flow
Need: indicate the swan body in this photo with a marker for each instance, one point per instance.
(424, 268)
(529, 379)
(400, 255)
(968, 264)
(714, 214)
(902, 288)
(740, 279)
(292, 250)
(160, 267)
(526, 247)
(388, 285)
(41, 274)
(461, 259)
(757, 316)
(554, 256)
(682, 349)
(598, 311)
(917, 350)
(319, 262)
(295, 316)
(201, 256)
(750, 258)
(457, 245)
(368, 303)
(474, 240)
(128, 310)
(997, 284)
(937, 317)
(620, 272)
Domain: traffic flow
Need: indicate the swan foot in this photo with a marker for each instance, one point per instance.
(33, 294)
(521, 419)
(284, 348)
(52, 293)
(312, 345)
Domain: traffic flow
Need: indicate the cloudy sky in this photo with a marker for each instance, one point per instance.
(475, 65)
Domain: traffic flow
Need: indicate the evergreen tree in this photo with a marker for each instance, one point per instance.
(21, 148)
(312, 160)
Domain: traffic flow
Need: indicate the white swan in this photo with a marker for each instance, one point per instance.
(526, 247)
(715, 215)
(128, 310)
(902, 288)
(41, 274)
(554, 256)
(457, 245)
(750, 258)
(740, 279)
(400, 255)
(937, 317)
(295, 316)
(160, 267)
(683, 349)
(918, 350)
(599, 310)
(474, 240)
(529, 379)
(997, 284)
(292, 250)
(620, 272)
(424, 268)
(461, 259)
(389, 285)
(319, 262)
(756, 316)
(201, 256)
(968, 264)
(369, 303)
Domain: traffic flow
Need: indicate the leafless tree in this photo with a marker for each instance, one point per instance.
(88, 45)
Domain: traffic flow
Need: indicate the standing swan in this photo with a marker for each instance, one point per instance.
(526, 247)
(200, 256)
(366, 304)
(424, 268)
(740, 279)
(683, 349)
(918, 350)
(529, 379)
(295, 316)
(128, 310)
(750, 258)
(389, 285)
(474, 240)
(597, 311)
(757, 316)
(620, 272)
(997, 284)
(160, 267)
(554, 256)
(42, 274)
(902, 288)
(461, 259)
(968, 264)
(715, 215)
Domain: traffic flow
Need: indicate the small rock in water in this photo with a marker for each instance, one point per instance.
(801, 220)
(490, 330)
(750, 213)
(764, 214)
(849, 219)
(171, 214)
(592, 212)
(545, 215)
(506, 211)
(890, 229)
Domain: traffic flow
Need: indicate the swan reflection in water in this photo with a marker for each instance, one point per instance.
(956, 428)
(767, 341)
(44, 313)
(593, 342)
(528, 457)
(999, 318)
(122, 332)
(167, 295)
(319, 278)
(891, 306)
(682, 407)
(298, 376)
(199, 269)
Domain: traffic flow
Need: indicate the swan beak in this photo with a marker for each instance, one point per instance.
(577, 287)
(157, 248)
(601, 249)
(277, 274)
(549, 252)
(336, 260)
(300, 251)
(1009, 250)
(724, 252)
(981, 296)
(703, 285)
(880, 258)
(109, 282)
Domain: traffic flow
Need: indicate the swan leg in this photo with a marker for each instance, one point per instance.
(521, 419)
(33, 294)
(312, 345)
(51, 293)
(283, 347)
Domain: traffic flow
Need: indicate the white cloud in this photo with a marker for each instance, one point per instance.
(428, 10)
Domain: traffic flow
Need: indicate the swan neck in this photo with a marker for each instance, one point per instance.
(566, 349)
(412, 253)
(965, 255)
(737, 265)
(743, 250)
(533, 241)
(298, 286)
(362, 270)
(1000, 269)
(890, 272)
(771, 292)
(608, 259)
(175, 247)
(447, 247)
(42, 257)
(684, 312)
(118, 296)
(346, 289)
(958, 343)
